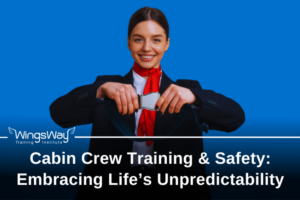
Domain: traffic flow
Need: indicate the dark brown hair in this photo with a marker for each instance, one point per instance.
(145, 14)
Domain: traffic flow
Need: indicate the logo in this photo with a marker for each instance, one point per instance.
(46, 137)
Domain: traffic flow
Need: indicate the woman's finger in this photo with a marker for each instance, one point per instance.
(168, 99)
(134, 99)
(173, 104)
(123, 100)
(118, 101)
(162, 98)
(180, 103)
(129, 99)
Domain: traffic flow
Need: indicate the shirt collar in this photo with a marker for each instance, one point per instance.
(137, 79)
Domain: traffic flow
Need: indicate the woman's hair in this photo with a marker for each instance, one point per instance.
(145, 14)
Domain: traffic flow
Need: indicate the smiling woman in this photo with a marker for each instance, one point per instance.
(148, 43)
(148, 40)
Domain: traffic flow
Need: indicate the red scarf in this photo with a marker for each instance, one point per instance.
(147, 119)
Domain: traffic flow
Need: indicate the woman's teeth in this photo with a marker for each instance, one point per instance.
(147, 57)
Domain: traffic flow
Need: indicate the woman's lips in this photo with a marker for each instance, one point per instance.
(147, 58)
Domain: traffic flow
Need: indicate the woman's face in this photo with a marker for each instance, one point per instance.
(148, 44)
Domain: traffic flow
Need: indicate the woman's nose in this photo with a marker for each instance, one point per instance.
(147, 46)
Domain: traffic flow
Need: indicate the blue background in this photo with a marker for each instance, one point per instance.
(247, 50)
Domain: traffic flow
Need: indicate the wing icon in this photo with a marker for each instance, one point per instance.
(12, 131)
(71, 130)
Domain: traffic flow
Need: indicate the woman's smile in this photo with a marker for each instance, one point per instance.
(146, 57)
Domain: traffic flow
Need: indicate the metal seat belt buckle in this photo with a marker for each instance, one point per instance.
(149, 100)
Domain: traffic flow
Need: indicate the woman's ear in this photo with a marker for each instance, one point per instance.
(167, 44)
(128, 44)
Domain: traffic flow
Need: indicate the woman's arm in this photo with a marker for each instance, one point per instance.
(76, 107)
(216, 110)
(219, 112)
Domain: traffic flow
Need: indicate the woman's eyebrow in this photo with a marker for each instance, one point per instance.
(137, 35)
(159, 35)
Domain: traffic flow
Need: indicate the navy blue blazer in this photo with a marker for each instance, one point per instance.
(80, 106)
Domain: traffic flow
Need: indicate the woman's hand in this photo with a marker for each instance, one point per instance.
(123, 94)
(175, 96)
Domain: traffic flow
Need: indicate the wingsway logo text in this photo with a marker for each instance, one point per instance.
(46, 137)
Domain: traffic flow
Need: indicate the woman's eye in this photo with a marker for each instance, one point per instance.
(157, 40)
(138, 40)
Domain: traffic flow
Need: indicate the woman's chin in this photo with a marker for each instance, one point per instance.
(146, 66)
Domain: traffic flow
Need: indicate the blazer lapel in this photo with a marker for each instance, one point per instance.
(161, 120)
(130, 119)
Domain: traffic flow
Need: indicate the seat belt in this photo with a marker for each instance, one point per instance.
(148, 101)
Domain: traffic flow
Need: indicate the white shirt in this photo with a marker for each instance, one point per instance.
(141, 148)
